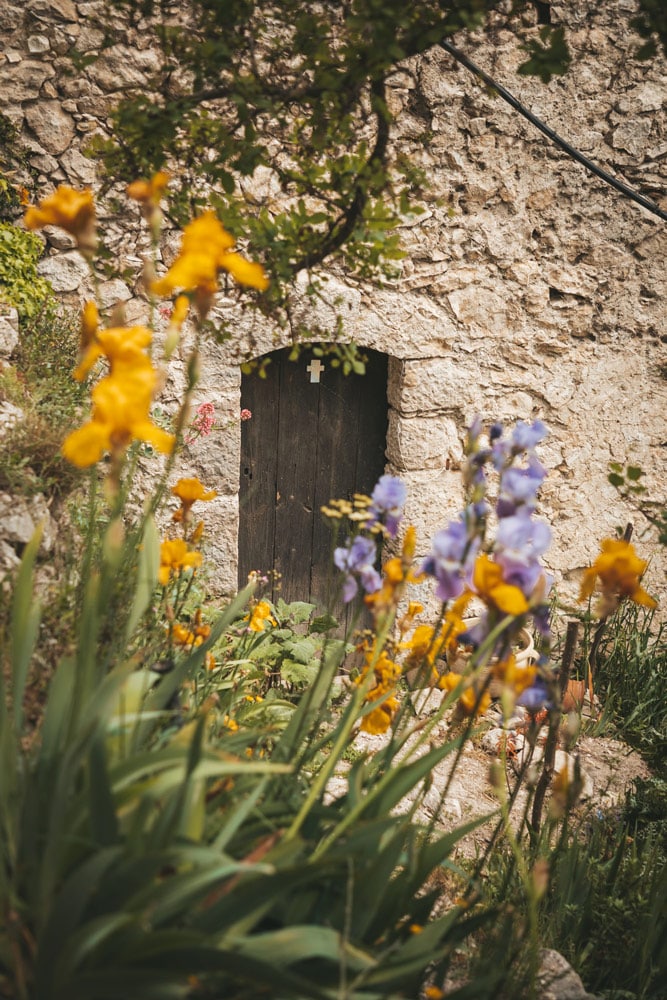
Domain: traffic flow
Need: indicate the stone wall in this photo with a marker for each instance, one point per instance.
(530, 289)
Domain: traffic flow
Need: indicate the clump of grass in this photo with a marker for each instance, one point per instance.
(631, 677)
(605, 911)
(40, 382)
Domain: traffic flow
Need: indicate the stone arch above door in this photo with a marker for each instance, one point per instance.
(314, 434)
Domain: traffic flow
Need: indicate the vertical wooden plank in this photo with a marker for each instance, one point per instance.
(337, 431)
(372, 437)
(295, 494)
(352, 430)
(373, 419)
(258, 471)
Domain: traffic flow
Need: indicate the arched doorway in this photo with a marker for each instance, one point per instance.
(315, 434)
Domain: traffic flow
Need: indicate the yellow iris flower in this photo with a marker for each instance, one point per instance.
(206, 249)
(120, 415)
(183, 636)
(179, 312)
(149, 191)
(120, 345)
(90, 324)
(69, 209)
(189, 491)
(619, 570)
(386, 674)
(514, 678)
(379, 720)
(175, 556)
(396, 573)
(468, 697)
(261, 616)
(489, 584)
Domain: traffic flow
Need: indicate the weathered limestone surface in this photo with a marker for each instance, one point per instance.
(530, 289)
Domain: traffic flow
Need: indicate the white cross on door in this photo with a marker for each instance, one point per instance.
(315, 368)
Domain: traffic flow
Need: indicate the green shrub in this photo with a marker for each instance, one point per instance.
(632, 677)
(605, 906)
(20, 284)
(41, 384)
(606, 909)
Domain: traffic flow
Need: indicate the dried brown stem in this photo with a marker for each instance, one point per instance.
(571, 640)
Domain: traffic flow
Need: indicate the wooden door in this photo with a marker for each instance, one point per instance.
(314, 435)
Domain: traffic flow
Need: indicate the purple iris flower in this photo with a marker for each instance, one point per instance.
(542, 617)
(526, 436)
(536, 697)
(500, 453)
(356, 560)
(388, 499)
(452, 553)
(475, 429)
(520, 538)
(520, 542)
(518, 488)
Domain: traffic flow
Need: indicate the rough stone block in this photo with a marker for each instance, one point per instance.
(422, 442)
(434, 499)
(434, 385)
(67, 272)
(53, 127)
(221, 523)
(9, 330)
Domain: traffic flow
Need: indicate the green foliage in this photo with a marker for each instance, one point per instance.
(646, 808)
(298, 91)
(631, 678)
(137, 856)
(20, 285)
(627, 482)
(606, 909)
(172, 827)
(651, 21)
(13, 161)
(41, 384)
(604, 906)
(549, 54)
(284, 658)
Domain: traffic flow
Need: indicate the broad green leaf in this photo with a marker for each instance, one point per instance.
(235, 819)
(26, 613)
(69, 906)
(166, 962)
(302, 650)
(103, 824)
(57, 711)
(295, 611)
(322, 623)
(174, 897)
(311, 705)
(132, 694)
(297, 672)
(149, 563)
(161, 771)
(303, 943)
(82, 945)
